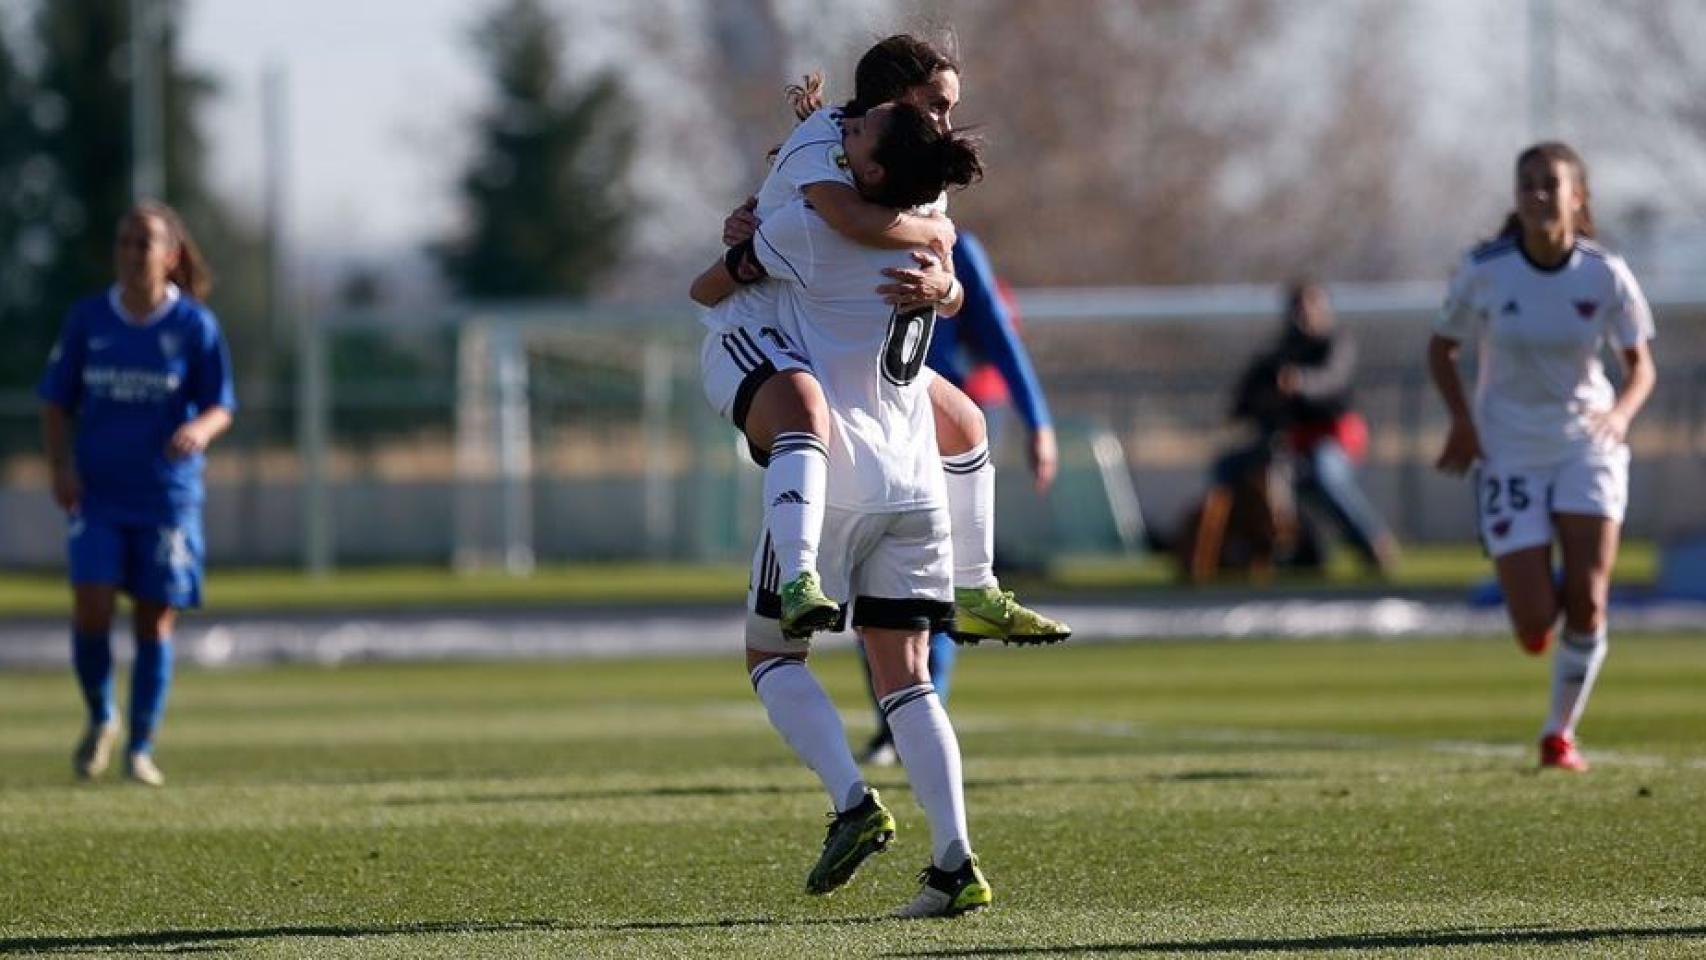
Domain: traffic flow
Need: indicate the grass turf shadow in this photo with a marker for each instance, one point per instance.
(209, 940)
(640, 793)
(1405, 940)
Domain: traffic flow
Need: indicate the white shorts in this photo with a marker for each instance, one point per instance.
(896, 569)
(1515, 505)
(733, 364)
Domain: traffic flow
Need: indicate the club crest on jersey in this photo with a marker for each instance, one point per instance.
(1586, 308)
(840, 157)
(1501, 528)
(1510, 309)
(169, 344)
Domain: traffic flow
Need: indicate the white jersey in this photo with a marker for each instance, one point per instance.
(868, 358)
(1540, 334)
(811, 154)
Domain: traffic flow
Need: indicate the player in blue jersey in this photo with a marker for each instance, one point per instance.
(979, 351)
(141, 372)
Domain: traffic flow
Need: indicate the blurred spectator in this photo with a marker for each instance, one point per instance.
(1308, 439)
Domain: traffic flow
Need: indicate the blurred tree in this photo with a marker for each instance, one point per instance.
(25, 246)
(83, 132)
(1184, 142)
(546, 197)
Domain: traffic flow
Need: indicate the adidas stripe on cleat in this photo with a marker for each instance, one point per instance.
(949, 894)
(990, 613)
(806, 608)
(853, 836)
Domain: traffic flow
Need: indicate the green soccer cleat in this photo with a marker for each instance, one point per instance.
(990, 613)
(866, 828)
(95, 750)
(945, 894)
(806, 608)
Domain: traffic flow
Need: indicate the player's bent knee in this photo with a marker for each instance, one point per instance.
(960, 424)
(898, 658)
(789, 402)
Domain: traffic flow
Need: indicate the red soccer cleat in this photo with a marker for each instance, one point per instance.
(1559, 751)
(1536, 644)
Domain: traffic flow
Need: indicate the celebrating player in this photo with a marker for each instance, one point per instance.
(142, 371)
(767, 390)
(886, 544)
(1546, 436)
(979, 351)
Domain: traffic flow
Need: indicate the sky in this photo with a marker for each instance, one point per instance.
(376, 91)
(379, 93)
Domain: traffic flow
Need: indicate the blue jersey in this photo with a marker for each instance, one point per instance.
(983, 329)
(130, 387)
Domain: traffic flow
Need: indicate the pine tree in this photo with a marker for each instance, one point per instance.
(83, 81)
(546, 200)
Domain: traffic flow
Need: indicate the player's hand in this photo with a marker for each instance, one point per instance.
(1045, 458)
(929, 282)
(67, 492)
(1462, 448)
(1288, 380)
(1609, 428)
(945, 237)
(740, 225)
(189, 440)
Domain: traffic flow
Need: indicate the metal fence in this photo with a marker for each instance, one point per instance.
(625, 461)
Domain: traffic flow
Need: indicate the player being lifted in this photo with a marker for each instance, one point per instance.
(886, 546)
(767, 389)
(1546, 433)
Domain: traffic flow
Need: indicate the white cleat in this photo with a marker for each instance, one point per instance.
(140, 768)
(95, 750)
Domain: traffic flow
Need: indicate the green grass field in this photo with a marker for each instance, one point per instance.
(407, 588)
(1177, 800)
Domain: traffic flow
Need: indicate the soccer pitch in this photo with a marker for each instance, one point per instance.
(1297, 799)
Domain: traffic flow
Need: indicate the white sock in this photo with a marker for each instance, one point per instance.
(1574, 668)
(794, 488)
(931, 754)
(971, 509)
(803, 714)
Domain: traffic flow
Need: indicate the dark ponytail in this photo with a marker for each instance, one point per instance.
(1554, 151)
(919, 160)
(806, 97)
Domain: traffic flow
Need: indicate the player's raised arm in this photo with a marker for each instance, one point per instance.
(874, 225)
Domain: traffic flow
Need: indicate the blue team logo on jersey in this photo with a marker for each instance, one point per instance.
(840, 157)
(1586, 308)
(1510, 309)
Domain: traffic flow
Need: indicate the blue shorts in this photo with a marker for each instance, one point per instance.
(161, 563)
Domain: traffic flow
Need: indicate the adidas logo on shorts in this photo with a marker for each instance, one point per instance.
(789, 496)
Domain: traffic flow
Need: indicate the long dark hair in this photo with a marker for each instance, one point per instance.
(192, 274)
(893, 66)
(1555, 151)
(919, 160)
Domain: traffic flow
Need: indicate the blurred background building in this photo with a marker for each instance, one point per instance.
(453, 238)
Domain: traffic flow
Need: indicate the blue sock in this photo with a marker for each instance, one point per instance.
(943, 650)
(150, 678)
(92, 660)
